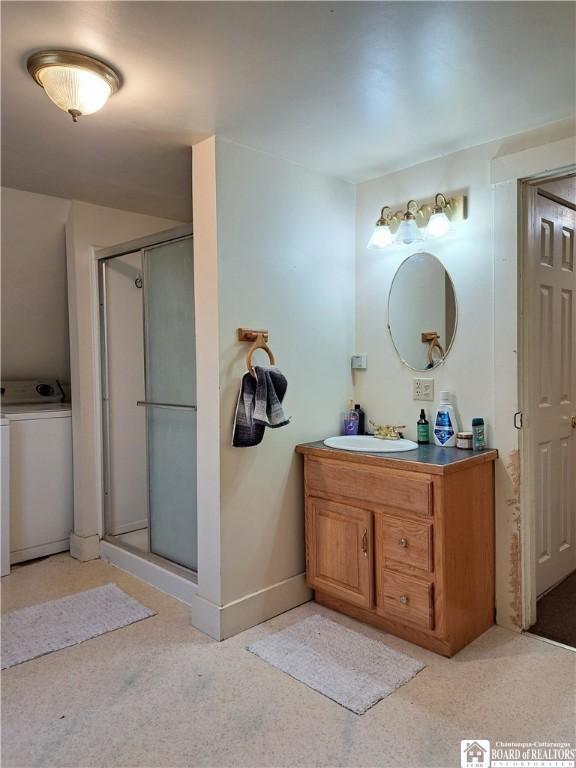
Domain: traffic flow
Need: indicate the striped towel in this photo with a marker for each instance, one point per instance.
(259, 405)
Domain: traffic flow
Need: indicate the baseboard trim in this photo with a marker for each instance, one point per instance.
(31, 553)
(85, 548)
(162, 578)
(221, 622)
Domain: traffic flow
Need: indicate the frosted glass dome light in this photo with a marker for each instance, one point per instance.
(409, 231)
(76, 83)
(438, 223)
(382, 236)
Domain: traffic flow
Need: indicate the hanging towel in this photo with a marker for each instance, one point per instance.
(259, 405)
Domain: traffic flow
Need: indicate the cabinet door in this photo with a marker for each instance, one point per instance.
(339, 550)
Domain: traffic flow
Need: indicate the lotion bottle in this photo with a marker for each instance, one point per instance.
(445, 426)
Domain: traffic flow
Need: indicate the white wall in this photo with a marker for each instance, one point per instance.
(34, 300)
(481, 255)
(285, 256)
(278, 242)
(385, 388)
(90, 227)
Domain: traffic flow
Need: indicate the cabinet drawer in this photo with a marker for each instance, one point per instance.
(377, 486)
(405, 599)
(403, 543)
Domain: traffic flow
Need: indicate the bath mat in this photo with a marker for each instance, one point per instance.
(40, 629)
(345, 666)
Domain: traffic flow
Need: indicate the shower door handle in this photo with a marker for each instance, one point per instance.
(150, 403)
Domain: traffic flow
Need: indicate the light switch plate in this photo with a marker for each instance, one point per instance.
(423, 389)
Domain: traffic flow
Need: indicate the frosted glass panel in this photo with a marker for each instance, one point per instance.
(170, 391)
(126, 489)
(170, 345)
(172, 484)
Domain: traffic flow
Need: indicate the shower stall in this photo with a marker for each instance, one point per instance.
(148, 369)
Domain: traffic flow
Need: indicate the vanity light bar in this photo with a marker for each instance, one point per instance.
(432, 217)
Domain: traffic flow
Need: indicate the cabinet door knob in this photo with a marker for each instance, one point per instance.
(404, 599)
(365, 542)
(403, 542)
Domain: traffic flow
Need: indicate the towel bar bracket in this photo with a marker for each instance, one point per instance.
(249, 334)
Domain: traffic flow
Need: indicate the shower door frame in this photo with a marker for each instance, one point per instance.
(102, 256)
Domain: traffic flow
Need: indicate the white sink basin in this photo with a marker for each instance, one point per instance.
(369, 444)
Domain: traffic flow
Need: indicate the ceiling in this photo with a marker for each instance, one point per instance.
(351, 89)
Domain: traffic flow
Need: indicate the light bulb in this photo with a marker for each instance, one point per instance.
(438, 225)
(408, 232)
(381, 237)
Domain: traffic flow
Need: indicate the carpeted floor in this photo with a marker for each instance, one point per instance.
(159, 693)
(557, 613)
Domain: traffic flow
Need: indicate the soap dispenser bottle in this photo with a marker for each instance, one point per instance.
(445, 426)
(351, 419)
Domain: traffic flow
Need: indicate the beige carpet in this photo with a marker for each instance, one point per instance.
(160, 694)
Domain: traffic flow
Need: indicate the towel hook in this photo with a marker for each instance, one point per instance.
(259, 339)
(260, 343)
(433, 340)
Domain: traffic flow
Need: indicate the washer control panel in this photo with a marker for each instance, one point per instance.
(32, 392)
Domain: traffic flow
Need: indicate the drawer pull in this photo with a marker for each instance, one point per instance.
(404, 599)
(365, 542)
(403, 542)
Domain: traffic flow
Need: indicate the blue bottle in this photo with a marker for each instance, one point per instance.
(445, 426)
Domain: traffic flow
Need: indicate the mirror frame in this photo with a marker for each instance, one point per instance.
(449, 347)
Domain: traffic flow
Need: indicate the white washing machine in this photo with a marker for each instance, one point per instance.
(39, 457)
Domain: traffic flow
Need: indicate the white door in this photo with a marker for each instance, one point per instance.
(551, 387)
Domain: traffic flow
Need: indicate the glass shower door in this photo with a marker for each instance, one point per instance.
(170, 400)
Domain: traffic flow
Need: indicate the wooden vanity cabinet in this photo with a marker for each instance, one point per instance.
(407, 546)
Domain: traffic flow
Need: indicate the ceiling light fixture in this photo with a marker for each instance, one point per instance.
(76, 83)
(438, 223)
(382, 236)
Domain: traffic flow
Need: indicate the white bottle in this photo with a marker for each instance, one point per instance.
(445, 427)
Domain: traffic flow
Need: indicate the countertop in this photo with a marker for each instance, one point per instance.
(426, 458)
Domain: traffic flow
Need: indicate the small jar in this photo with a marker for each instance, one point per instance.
(464, 440)
(478, 434)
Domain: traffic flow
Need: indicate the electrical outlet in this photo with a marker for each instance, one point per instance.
(423, 389)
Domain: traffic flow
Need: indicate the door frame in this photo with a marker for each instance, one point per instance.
(527, 191)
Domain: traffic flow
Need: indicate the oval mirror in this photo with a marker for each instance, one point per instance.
(422, 311)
